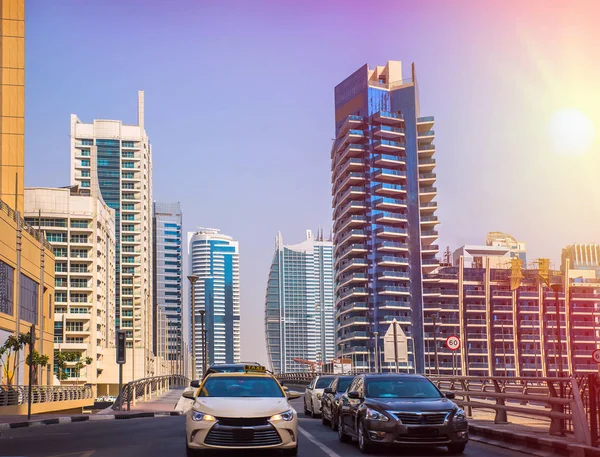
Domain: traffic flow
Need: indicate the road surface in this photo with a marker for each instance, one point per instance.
(164, 437)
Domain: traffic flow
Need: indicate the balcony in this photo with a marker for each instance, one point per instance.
(352, 164)
(426, 165)
(430, 262)
(393, 290)
(350, 221)
(389, 189)
(385, 174)
(391, 261)
(390, 218)
(429, 134)
(429, 234)
(351, 278)
(353, 336)
(353, 235)
(352, 249)
(389, 203)
(427, 190)
(351, 207)
(351, 179)
(394, 276)
(352, 150)
(429, 207)
(388, 160)
(351, 307)
(389, 133)
(395, 305)
(405, 320)
(353, 193)
(351, 122)
(432, 248)
(351, 264)
(391, 246)
(427, 179)
(358, 320)
(391, 232)
(429, 220)
(384, 146)
(425, 123)
(385, 117)
(353, 292)
(352, 136)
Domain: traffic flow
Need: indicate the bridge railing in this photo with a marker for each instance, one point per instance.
(146, 388)
(560, 401)
(19, 395)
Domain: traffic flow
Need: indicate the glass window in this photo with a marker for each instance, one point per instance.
(323, 382)
(6, 288)
(401, 388)
(29, 299)
(241, 386)
(343, 384)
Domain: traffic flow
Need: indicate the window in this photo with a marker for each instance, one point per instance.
(85, 162)
(125, 164)
(127, 185)
(128, 144)
(75, 326)
(127, 154)
(128, 238)
(85, 152)
(78, 282)
(79, 238)
(54, 237)
(60, 282)
(127, 175)
(128, 207)
(85, 173)
(78, 223)
(79, 298)
(60, 267)
(29, 299)
(60, 297)
(60, 252)
(78, 268)
(79, 253)
(87, 142)
(241, 386)
(6, 288)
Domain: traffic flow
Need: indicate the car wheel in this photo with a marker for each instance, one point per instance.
(306, 411)
(292, 452)
(457, 448)
(312, 409)
(324, 420)
(364, 443)
(340, 429)
(334, 423)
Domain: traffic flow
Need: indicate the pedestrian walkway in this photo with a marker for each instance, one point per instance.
(165, 402)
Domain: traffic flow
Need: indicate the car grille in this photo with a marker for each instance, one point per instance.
(243, 421)
(259, 436)
(436, 418)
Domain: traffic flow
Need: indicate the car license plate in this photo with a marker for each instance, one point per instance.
(423, 431)
(243, 434)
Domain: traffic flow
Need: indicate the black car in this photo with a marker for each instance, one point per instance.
(331, 400)
(385, 409)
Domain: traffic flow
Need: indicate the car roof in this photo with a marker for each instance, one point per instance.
(237, 375)
(393, 375)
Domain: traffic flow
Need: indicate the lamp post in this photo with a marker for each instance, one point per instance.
(376, 334)
(193, 279)
(556, 288)
(435, 348)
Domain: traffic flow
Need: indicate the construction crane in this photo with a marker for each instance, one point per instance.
(312, 364)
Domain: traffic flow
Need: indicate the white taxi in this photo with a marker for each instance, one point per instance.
(247, 410)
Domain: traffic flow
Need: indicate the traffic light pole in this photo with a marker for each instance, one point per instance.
(31, 344)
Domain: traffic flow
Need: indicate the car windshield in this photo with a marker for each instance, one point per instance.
(343, 384)
(241, 386)
(322, 383)
(401, 388)
(226, 370)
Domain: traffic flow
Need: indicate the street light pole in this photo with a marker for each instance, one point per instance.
(193, 279)
(202, 312)
(376, 334)
(556, 288)
(435, 349)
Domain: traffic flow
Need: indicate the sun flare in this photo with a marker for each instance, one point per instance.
(571, 132)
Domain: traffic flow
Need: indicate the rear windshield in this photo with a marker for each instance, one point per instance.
(343, 384)
(322, 383)
(401, 388)
(241, 386)
(226, 370)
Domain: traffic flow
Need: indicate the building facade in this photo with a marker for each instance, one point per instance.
(581, 257)
(384, 212)
(517, 249)
(168, 278)
(113, 160)
(26, 259)
(81, 229)
(299, 311)
(214, 258)
(507, 321)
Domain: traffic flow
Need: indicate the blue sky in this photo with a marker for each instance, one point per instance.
(239, 110)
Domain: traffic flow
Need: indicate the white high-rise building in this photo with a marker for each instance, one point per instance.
(300, 321)
(214, 258)
(114, 160)
(81, 230)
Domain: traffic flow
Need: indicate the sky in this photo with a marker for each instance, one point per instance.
(239, 110)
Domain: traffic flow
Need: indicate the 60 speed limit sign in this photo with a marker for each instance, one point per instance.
(596, 356)
(453, 343)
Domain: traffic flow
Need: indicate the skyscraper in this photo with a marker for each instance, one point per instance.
(214, 258)
(384, 212)
(168, 277)
(114, 160)
(299, 318)
(81, 229)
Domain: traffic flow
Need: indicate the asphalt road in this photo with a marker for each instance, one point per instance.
(164, 437)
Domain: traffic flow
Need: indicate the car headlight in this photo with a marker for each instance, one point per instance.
(376, 415)
(198, 416)
(459, 416)
(285, 416)
(319, 396)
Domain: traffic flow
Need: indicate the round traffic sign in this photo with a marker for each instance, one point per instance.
(596, 355)
(453, 343)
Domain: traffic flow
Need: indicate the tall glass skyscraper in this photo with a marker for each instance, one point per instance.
(214, 258)
(168, 278)
(299, 310)
(384, 212)
(113, 161)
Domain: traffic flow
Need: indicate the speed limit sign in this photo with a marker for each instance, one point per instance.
(596, 355)
(453, 343)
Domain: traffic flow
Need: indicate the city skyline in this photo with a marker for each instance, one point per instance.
(465, 88)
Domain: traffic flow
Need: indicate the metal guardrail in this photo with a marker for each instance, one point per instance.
(557, 400)
(19, 395)
(146, 388)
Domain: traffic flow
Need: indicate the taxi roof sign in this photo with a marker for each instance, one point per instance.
(254, 369)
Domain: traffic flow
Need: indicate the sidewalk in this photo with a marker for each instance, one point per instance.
(164, 403)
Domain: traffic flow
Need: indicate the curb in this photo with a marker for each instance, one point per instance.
(530, 444)
(89, 418)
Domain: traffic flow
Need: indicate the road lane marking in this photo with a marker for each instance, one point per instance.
(75, 454)
(330, 452)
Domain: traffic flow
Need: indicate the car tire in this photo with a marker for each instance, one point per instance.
(333, 423)
(457, 448)
(306, 411)
(341, 435)
(312, 410)
(324, 420)
(364, 443)
(291, 452)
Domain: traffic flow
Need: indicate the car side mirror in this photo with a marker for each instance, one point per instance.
(450, 395)
(195, 383)
(354, 395)
(189, 393)
(328, 390)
